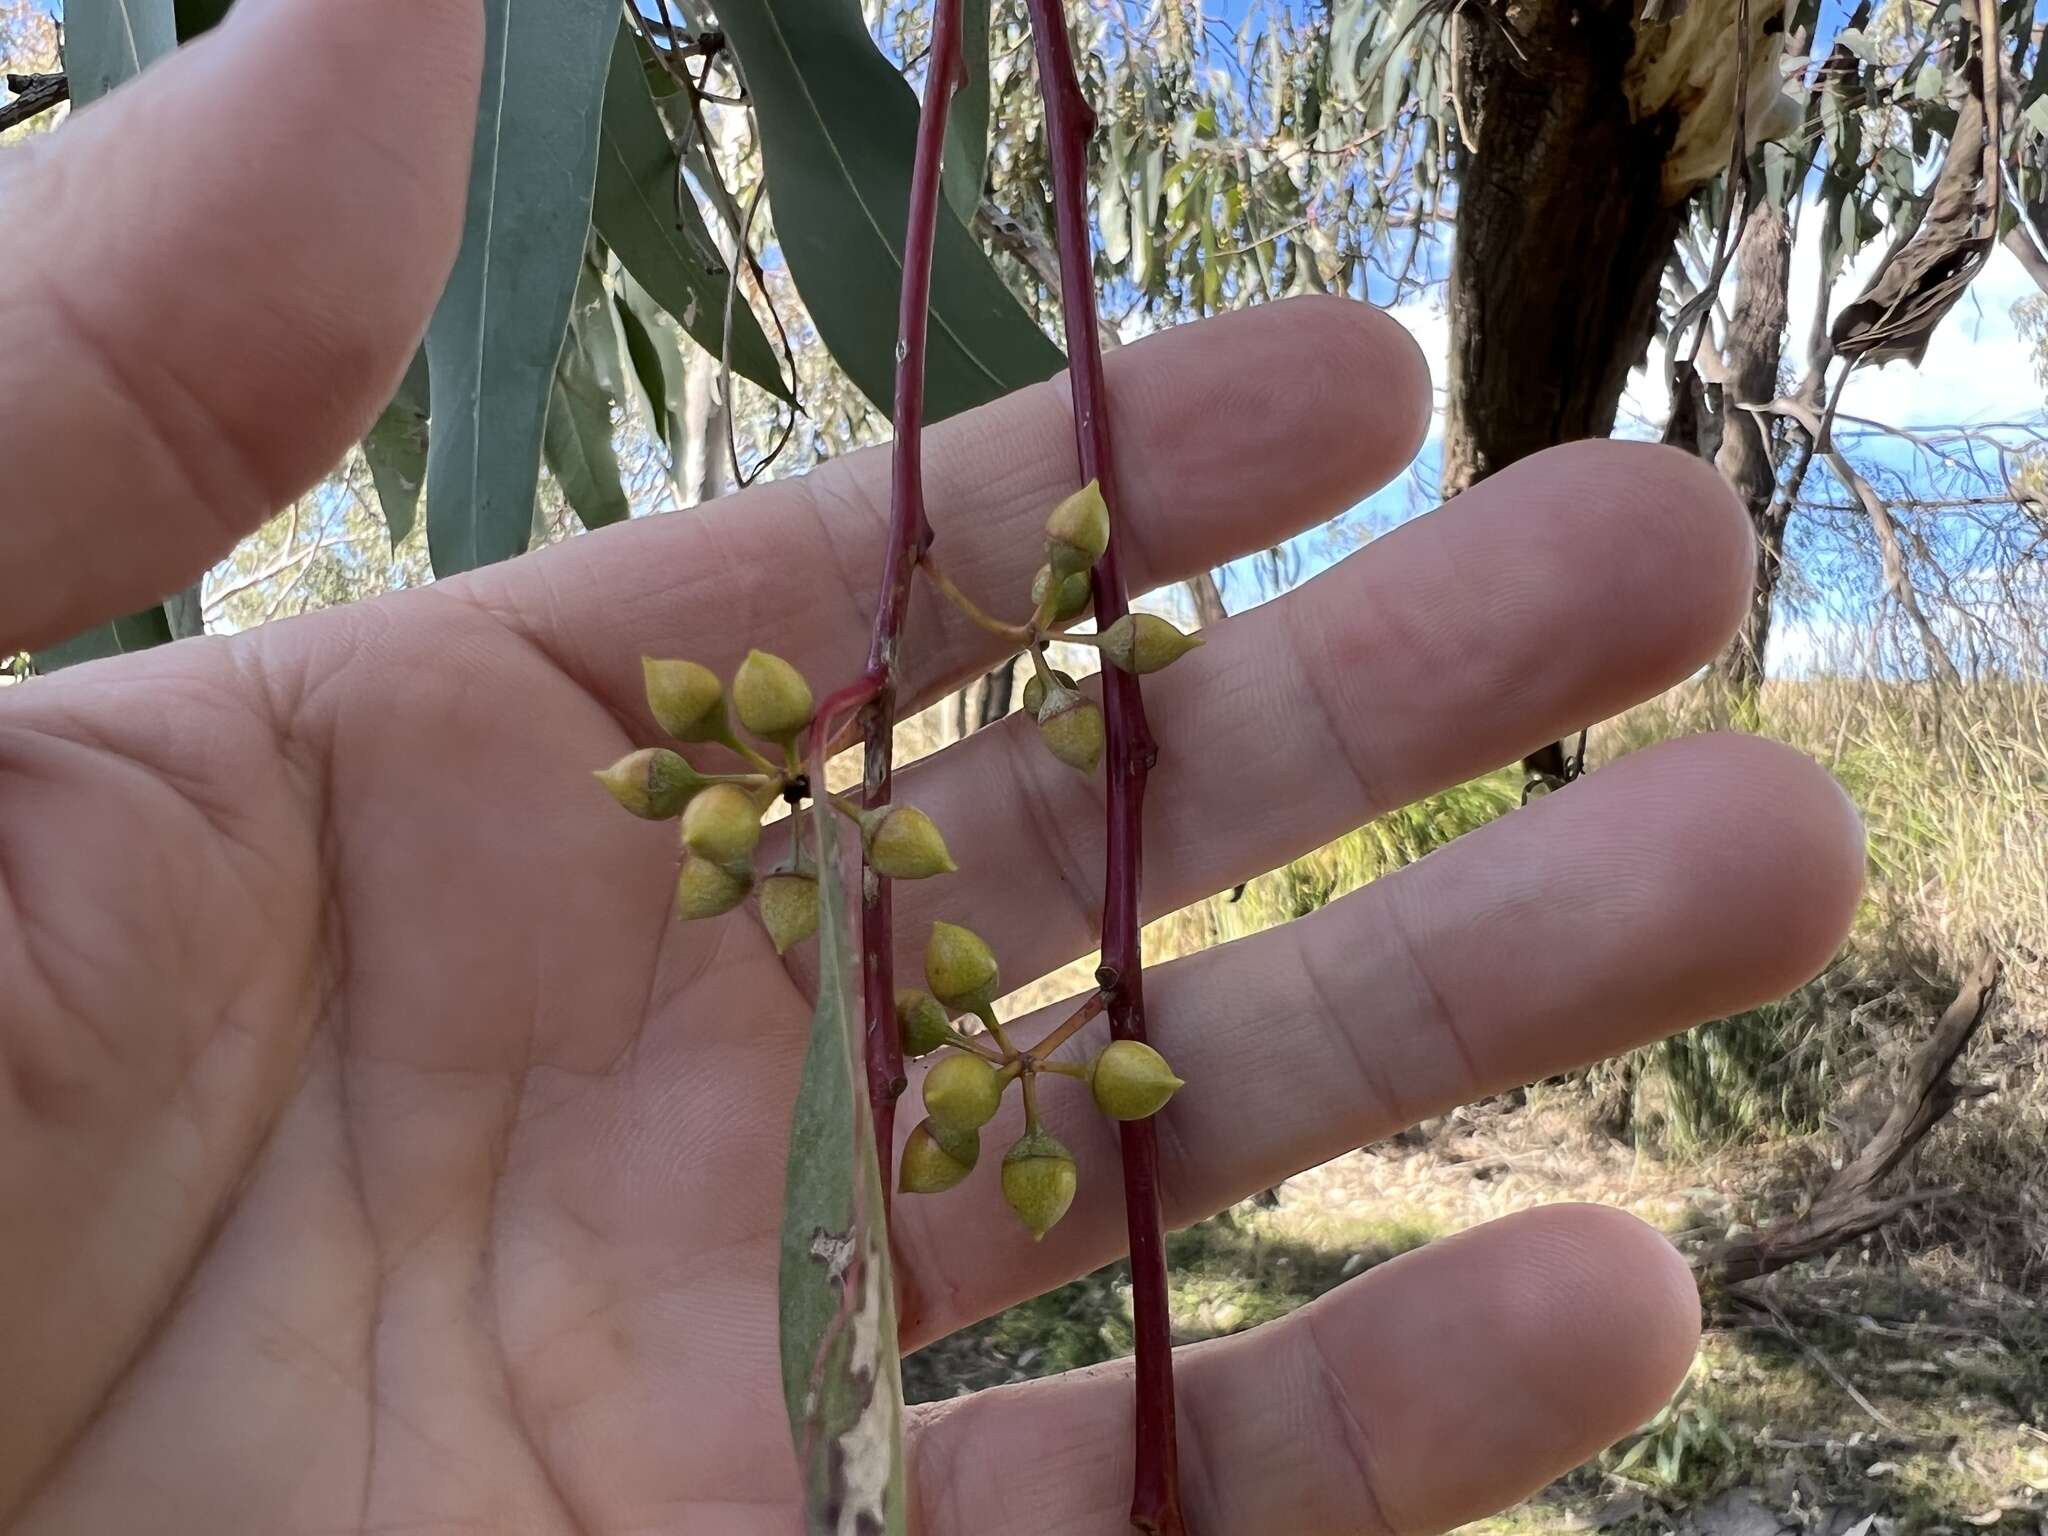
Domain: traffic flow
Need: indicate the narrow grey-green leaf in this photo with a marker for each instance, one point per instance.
(137, 632)
(107, 42)
(966, 163)
(841, 1378)
(652, 223)
(838, 131)
(396, 449)
(497, 334)
(657, 366)
(578, 444)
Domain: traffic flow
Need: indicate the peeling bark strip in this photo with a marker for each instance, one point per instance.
(1849, 1206)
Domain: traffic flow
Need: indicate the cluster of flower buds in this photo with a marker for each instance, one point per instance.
(721, 813)
(1076, 534)
(964, 1087)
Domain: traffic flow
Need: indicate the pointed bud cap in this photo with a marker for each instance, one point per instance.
(1072, 727)
(1131, 1081)
(771, 697)
(959, 968)
(686, 699)
(1078, 531)
(705, 889)
(903, 843)
(1144, 643)
(935, 1159)
(789, 908)
(722, 824)
(962, 1092)
(1075, 594)
(654, 783)
(920, 1022)
(1034, 690)
(1039, 1180)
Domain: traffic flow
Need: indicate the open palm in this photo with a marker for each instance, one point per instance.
(376, 1155)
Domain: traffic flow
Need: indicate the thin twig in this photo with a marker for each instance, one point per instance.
(33, 96)
(909, 533)
(1069, 124)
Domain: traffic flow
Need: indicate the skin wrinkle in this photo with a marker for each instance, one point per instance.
(1352, 1438)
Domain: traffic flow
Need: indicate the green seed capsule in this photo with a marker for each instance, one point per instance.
(1144, 643)
(1039, 1181)
(1034, 691)
(903, 843)
(960, 968)
(1071, 725)
(935, 1159)
(1078, 531)
(1131, 1081)
(962, 1092)
(771, 697)
(920, 1022)
(686, 699)
(1075, 594)
(789, 908)
(654, 783)
(722, 824)
(705, 889)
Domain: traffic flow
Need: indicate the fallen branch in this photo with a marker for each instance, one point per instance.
(1849, 1205)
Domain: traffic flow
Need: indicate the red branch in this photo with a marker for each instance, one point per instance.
(910, 532)
(1069, 122)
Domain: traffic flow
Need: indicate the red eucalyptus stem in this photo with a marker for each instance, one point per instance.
(1069, 123)
(910, 531)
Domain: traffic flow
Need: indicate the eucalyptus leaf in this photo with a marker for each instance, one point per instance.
(965, 168)
(648, 217)
(841, 1379)
(838, 128)
(658, 367)
(109, 42)
(138, 632)
(578, 444)
(497, 335)
(396, 450)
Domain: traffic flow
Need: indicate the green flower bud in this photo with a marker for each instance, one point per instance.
(935, 1159)
(1034, 691)
(705, 889)
(903, 844)
(1039, 1180)
(1131, 1081)
(1072, 727)
(962, 1092)
(1075, 594)
(722, 824)
(654, 783)
(959, 968)
(789, 908)
(686, 699)
(1143, 642)
(771, 697)
(1078, 531)
(920, 1022)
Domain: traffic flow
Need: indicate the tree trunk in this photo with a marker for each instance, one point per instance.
(997, 690)
(1755, 348)
(1208, 600)
(706, 452)
(1564, 229)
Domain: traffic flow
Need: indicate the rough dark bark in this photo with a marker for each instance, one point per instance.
(1563, 231)
(1750, 360)
(997, 688)
(1850, 1205)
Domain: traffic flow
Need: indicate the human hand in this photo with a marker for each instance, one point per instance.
(377, 1156)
